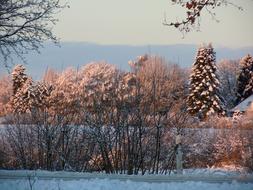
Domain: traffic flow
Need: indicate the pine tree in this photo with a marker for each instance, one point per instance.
(203, 99)
(27, 95)
(18, 77)
(22, 100)
(245, 79)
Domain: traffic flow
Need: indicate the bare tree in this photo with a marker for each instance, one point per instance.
(228, 71)
(25, 25)
(5, 93)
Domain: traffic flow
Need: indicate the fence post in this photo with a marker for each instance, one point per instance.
(179, 155)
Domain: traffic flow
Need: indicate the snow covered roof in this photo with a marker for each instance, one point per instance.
(244, 105)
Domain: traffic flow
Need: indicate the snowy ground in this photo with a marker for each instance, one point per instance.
(106, 184)
(203, 179)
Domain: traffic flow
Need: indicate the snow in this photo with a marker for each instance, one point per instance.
(226, 170)
(106, 184)
(244, 105)
(215, 103)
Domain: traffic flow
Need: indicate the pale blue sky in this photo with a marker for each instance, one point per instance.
(139, 22)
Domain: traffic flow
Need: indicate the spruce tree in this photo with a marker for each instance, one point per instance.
(203, 99)
(245, 79)
(27, 95)
(19, 77)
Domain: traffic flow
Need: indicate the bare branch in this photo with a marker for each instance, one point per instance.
(25, 25)
(193, 9)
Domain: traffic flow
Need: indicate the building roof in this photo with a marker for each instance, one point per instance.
(244, 105)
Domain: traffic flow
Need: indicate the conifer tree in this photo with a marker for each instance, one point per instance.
(27, 95)
(245, 79)
(19, 77)
(203, 99)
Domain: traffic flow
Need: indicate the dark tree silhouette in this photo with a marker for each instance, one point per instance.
(25, 25)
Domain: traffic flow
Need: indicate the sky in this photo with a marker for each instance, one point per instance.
(139, 22)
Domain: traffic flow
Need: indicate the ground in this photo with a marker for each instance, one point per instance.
(203, 179)
(107, 184)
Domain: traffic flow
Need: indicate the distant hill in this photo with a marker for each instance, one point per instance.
(77, 54)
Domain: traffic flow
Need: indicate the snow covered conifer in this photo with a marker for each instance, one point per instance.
(245, 78)
(18, 77)
(203, 99)
(27, 95)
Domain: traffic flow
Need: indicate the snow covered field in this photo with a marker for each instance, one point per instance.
(201, 179)
(107, 184)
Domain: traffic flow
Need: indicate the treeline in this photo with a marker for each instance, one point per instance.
(99, 118)
(99, 113)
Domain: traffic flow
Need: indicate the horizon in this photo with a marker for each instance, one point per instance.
(215, 45)
(77, 54)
